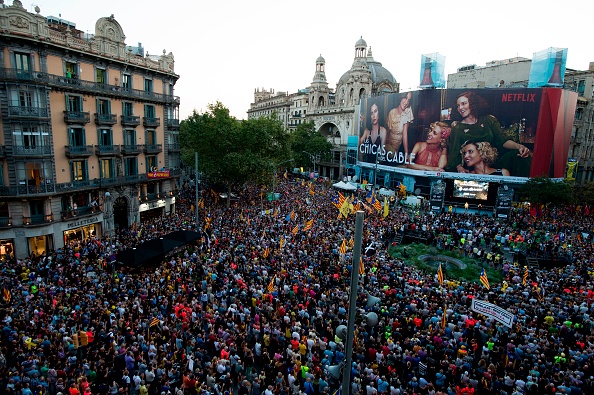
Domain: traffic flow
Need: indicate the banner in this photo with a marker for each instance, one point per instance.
(489, 133)
(493, 311)
(572, 168)
(158, 174)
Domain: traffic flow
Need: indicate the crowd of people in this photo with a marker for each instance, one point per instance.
(253, 307)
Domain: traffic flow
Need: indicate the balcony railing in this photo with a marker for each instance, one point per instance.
(132, 149)
(107, 150)
(153, 148)
(81, 151)
(150, 122)
(39, 219)
(75, 84)
(80, 211)
(130, 120)
(173, 123)
(31, 151)
(2, 151)
(28, 112)
(106, 119)
(175, 147)
(5, 222)
(77, 117)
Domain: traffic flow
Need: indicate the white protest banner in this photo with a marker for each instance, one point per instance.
(493, 311)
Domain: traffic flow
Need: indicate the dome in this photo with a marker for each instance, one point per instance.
(320, 59)
(378, 74)
(361, 43)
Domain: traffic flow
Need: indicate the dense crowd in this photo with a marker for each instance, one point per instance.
(252, 308)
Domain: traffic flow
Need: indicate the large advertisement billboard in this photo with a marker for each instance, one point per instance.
(473, 132)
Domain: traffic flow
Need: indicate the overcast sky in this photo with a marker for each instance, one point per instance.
(224, 49)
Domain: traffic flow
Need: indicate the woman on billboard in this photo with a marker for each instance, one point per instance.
(478, 158)
(399, 119)
(372, 141)
(431, 154)
(477, 125)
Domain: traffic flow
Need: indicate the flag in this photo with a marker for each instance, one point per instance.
(444, 318)
(345, 208)
(484, 279)
(201, 203)
(295, 229)
(343, 247)
(525, 277)
(154, 321)
(6, 295)
(266, 253)
(351, 242)
(276, 212)
(361, 266)
(270, 287)
(308, 224)
(292, 215)
(369, 197)
(282, 242)
(376, 203)
(440, 275)
(311, 191)
(386, 208)
(540, 294)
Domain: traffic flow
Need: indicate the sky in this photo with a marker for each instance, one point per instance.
(225, 49)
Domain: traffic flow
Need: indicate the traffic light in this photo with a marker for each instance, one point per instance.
(75, 340)
(84, 339)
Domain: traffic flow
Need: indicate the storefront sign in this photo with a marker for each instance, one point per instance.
(81, 222)
(159, 174)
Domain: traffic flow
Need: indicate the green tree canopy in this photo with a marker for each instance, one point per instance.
(306, 139)
(233, 152)
(543, 190)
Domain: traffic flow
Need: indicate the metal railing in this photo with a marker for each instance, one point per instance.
(78, 150)
(105, 150)
(27, 112)
(2, 151)
(75, 84)
(131, 149)
(130, 120)
(38, 219)
(77, 117)
(106, 119)
(153, 148)
(175, 147)
(151, 122)
(172, 123)
(31, 151)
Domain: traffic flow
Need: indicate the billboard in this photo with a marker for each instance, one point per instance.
(432, 71)
(548, 68)
(477, 133)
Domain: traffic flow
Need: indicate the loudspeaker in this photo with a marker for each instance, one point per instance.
(341, 332)
(334, 371)
(371, 319)
(372, 300)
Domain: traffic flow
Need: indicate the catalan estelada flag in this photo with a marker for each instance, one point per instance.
(440, 275)
(484, 279)
(361, 266)
(343, 247)
(270, 287)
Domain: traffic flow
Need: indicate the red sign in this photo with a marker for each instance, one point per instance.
(159, 174)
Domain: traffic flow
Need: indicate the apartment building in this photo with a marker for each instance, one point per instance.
(89, 132)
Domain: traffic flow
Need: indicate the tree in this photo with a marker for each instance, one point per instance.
(233, 152)
(307, 139)
(584, 193)
(543, 190)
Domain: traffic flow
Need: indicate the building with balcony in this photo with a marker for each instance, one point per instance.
(333, 111)
(75, 159)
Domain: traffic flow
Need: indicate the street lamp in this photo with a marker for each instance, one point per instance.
(313, 158)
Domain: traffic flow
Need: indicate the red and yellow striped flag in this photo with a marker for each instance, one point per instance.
(440, 275)
(343, 248)
(282, 242)
(266, 252)
(292, 216)
(484, 279)
(270, 287)
(295, 229)
(444, 318)
(351, 242)
(361, 266)
(308, 224)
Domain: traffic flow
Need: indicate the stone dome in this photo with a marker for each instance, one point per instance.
(320, 59)
(361, 43)
(378, 74)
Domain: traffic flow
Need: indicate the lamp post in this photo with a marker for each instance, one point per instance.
(313, 158)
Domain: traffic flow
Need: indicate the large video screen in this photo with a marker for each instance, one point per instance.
(494, 132)
(469, 189)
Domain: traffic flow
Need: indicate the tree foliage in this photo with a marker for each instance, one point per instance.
(543, 190)
(233, 152)
(306, 139)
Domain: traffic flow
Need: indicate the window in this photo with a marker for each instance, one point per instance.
(76, 137)
(74, 103)
(578, 114)
(131, 165)
(581, 87)
(78, 170)
(103, 107)
(36, 208)
(33, 173)
(126, 82)
(151, 137)
(22, 63)
(151, 163)
(148, 85)
(127, 108)
(70, 69)
(105, 137)
(30, 137)
(351, 157)
(129, 136)
(149, 111)
(100, 76)
(107, 168)
(25, 99)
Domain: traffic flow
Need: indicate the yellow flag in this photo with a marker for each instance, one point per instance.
(386, 208)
